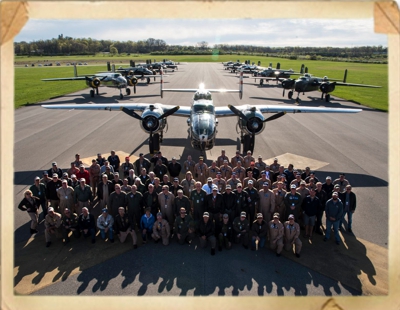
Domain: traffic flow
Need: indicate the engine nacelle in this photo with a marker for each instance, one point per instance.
(132, 80)
(254, 124)
(150, 122)
(94, 83)
(288, 83)
(327, 87)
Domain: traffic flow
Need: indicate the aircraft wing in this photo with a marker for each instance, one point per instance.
(140, 107)
(75, 78)
(225, 111)
(146, 76)
(357, 85)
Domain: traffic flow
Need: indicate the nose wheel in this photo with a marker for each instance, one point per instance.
(154, 143)
(248, 142)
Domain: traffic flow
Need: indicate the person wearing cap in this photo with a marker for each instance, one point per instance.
(215, 204)
(248, 178)
(252, 200)
(100, 160)
(206, 231)
(104, 189)
(38, 189)
(200, 171)
(160, 169)
(166, 202)
(116, 179)
(94, 176)
(166, 181)
(142, 162)
(213, 170)
(276, 230)
(220, 160)
(66, 178)
(74, 181)
(140, 186)
(254, 170)
(233, 181)
(188, 184)
(229, 202)
(289, 172)
(82, 196)
(303, 190)
(322, 196)
(236, 158)
(150, 200)
(52, 224)
(220, 183)
(184, 227)
(103, 169)
(105, 224)
(198, 199)
(297, 180)
(87, 224)
(241, 229)
(73, 169)
(174, 168)
(266, 202)
(226, 170)
(291, 236)
(248, 159)
(66, 195)
(334, 213)
(146, 224)
(310, 206)
(125, 186)
(125, 167)
(55, 169)
(143, 176)
(181, 201)
(51, 191)
(260, 182)
(260, 164)
(311, 184)
(274, 167)
(114, 160)
(70, 223)
(159, 156)
(175, 187)
(83, 173)
(45, 178)
(30, 204)
(259, 230)
(109, 174)
(240, 171)
(123, 227)
(292, 202)
(161, 230)
(208, 187)
(135, 206)
(279, 194)
(342, 182)
(349, 201)
(224, 232)
(188, 165)
(328, 187)
(241, 203)
(117, 199)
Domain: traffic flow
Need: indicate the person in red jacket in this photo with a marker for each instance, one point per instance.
(83, 173)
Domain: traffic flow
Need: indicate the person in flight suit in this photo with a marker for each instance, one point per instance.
(267, 202)
(52, 223)
(276, 234)
(188, 165)
(291, 235)
(233, 181)
(66, 195)
(166, 202)
(220, 183)
(226, 170)
(221, 158)
(206, 232)
(213, 170)
(198, 198)
(259, 230)
(188, 184)
(240, 171)
(236, 158)
(184, 227)
(280, 194)
(224, 232)
(247, 160)
(252, 200)
(292, 202)
(161, 230)
(200, 171)
(241, 229)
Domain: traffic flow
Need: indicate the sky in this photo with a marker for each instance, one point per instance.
(259, 32)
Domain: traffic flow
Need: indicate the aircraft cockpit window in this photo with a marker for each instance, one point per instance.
(203, 108)
(200, 96)
(117, 75)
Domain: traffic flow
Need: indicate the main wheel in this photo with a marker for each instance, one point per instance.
(148, 80)
(128, 91)
(121, 96)
(290, 95)
(92, 93)
(248, 144)
(261, 81)
(327, 97)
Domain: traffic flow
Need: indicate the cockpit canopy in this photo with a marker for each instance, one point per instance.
(203, 108)
(117, 75)
(202, 96)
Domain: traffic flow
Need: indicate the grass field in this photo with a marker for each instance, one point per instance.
(30, 89)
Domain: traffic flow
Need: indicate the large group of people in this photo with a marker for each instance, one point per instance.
(237, 200)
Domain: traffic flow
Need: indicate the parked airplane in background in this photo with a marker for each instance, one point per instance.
(277, 73)
(202, 116)
(110, 79)
(307, 83)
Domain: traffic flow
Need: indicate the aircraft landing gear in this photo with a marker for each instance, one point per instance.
(290, 95)
(128, 91)
(327, 97)
(248, 142)
(92, 93)
(261, 82)
(148, 80)
(121, 96)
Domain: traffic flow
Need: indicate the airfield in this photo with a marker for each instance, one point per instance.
(356, 144)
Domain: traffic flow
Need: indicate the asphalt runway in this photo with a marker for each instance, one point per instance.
(356, 144)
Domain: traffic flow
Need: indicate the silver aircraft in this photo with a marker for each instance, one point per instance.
(202, 116)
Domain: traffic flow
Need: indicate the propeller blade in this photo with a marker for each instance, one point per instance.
(237, 112)
(275, 116)
(169, 112)
(131, 113)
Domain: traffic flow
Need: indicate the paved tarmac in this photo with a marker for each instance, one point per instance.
(356, 144)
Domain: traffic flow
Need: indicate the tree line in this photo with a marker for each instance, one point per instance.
(88, 46)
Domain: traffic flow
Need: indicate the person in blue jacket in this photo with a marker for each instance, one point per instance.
(146, 224)
(334, 213)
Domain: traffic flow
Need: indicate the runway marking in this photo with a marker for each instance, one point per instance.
(299, 162)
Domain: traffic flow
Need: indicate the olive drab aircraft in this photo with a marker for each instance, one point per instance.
(308, 82)
(109, 79)
(276, 73)
(202, 116)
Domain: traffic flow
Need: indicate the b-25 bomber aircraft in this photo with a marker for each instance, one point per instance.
(307, 83)
(109, 79)
(202, 116)
(276, 73)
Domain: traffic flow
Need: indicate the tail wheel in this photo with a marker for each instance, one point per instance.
(290, 95)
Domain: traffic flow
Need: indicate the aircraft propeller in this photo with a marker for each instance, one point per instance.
(169, 112)
(131, 113)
